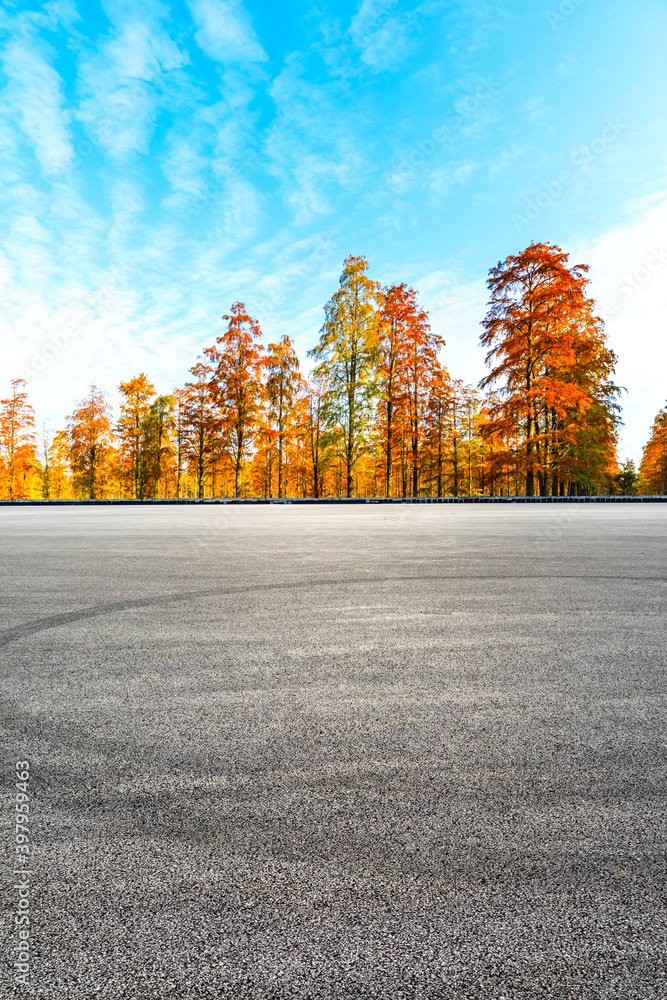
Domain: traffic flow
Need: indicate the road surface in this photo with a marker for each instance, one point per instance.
(353, 752)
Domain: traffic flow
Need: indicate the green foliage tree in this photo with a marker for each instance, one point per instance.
(159, 446)
(347, 353)
(626, 479)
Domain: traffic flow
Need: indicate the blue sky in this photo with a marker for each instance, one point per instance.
(162, 160)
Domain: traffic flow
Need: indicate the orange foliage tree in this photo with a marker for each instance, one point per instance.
(159, 447)
(284, 384)
(91, 445)
(54, 470)
(437, 429)
(315, 435)
(551, 363)
(200, 425)
(653, 467)
(398, 312)
(239, 364)
(420, 372)
(18, 451)
(136, 396)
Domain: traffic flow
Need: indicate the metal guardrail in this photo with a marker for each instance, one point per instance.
(334, 500)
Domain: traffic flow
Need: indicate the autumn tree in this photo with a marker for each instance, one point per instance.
(585, 456)
(420, 371)
(395, 316)
(136, 394)
(438, 429)
(653, 467)
(284, 383)
(179, 437)
(298, 453)
(472, 440)
(548, 356)
(238, 361)
(46, 464)
(347, 353)
(18, 450)
(261, 471)
(91, 444)
(455, 410)
(200, 424)
(159, 445)
(316, 433)
(58, 465)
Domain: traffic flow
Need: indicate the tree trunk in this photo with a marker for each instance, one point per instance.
(389, 455)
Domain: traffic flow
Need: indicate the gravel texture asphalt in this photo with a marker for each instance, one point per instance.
(353, 752)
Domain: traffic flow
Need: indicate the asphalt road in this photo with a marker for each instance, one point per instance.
(354, 752)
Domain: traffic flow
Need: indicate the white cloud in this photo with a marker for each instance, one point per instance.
(242, 209)
(314, 149)
(122, 83)
(142, 53)
(211, 154)
(456, 305)
(34, 100)
(382, 39)
(628, 280)
(102, 332)
(28, 23)
(225, 33)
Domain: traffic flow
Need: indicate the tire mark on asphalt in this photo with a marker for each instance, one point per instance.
(84, 614)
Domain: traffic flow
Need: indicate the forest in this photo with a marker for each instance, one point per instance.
(378, 415)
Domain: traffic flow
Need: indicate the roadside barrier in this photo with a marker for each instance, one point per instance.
(333, 500)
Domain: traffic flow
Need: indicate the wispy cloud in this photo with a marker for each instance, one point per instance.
(379, 38)
(224, 31)
(123, 81)
(34, 100)
(382, 34)
(211, 154)
(314, 149)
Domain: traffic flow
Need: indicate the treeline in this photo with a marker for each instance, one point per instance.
(379, 415)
